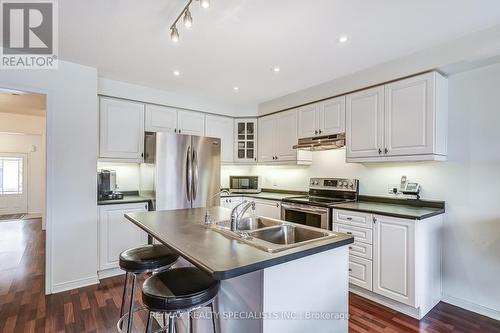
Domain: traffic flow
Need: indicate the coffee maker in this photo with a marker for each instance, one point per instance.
(106, 185)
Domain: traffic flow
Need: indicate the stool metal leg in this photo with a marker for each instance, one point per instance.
(191, 322)
(214, 321)
(148, 324)
(131, 307)
(171, 323)
(122, 308)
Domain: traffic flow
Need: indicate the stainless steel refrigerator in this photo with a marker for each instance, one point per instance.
(187, 169)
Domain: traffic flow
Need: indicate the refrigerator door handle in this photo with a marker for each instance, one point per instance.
(195, 174)
(189, 172)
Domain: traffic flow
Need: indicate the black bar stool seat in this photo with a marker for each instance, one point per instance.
(139, 260)
(147, 258)
(177, 291)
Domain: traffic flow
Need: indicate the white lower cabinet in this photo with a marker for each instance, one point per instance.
(360, 272)
(268, 208)
(116, 233)
(394, 261)
(394, 258)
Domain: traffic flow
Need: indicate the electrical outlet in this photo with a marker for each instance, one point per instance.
(393, 189)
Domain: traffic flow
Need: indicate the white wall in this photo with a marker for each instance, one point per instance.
(135, 92)
(20, 123)
(72, 138)
(469, 182)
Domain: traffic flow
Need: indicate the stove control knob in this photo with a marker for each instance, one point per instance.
(351, 185)
(345, 184)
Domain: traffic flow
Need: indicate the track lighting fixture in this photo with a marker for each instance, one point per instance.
(188, 19)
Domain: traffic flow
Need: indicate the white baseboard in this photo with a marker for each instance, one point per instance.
(79, 283)
(106, 273)
(474, 307)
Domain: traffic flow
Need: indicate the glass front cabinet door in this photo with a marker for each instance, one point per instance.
(245, 140)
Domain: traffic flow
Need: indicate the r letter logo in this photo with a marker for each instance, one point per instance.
(29, 34)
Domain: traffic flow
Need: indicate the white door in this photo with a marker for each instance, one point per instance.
(267, 129)
(394, 258)
(332, 116)
(121, 129)
(13, 183)
(160, 119)
(191, 123)
(365, 123)
(268, 208)
(308, 122)
(409, 109)
(286, 136)
(116, 233)
(222, 128)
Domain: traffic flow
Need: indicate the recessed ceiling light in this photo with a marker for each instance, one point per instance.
(176, 73)
(343, 39)
(276, 69)
(205, 3)
(236, 88)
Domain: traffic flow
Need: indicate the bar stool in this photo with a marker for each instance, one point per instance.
(139, 260)
(178, 291)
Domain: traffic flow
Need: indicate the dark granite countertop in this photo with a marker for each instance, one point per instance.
(128, 198)
(221, 256)
(267, 195)
(409, 209)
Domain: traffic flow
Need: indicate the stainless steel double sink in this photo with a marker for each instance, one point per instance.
(272, 235)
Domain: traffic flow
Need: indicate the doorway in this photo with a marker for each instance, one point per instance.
(13, 184)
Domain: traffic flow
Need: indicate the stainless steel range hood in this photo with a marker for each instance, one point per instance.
(326, 142)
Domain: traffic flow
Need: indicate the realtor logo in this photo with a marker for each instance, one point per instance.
(29, 34)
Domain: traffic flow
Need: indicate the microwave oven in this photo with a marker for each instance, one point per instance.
(244, 184)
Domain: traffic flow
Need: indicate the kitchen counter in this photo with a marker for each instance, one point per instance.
(408, 209)
(127, 198)
(278, 196)
(221, 256)
(312, 278)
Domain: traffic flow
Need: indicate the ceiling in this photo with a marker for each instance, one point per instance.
(21, 103)
(238, 42)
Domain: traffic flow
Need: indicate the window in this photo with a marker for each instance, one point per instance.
(11, 175)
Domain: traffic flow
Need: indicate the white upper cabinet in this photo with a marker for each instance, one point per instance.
(277, 136)
(308, 121)
(160, 119)
(332, 116)
(245, 139)
(222, 128)
(167, 119)
(323, 118)
(191, 123)
(365, 123)
(121, 129)
(402, 121)
(394, 258)
(267, 130)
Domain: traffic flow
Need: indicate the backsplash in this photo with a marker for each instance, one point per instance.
(131, 176)
(375, 178)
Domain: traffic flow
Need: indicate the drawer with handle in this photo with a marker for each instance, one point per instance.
(363, 235)
(361, 250)
(357, 219)
(360, 272)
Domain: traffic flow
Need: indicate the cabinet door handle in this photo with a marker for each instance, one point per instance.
(386, 150)
(349, 233)
(316, 132)
(319, 131)
(276, 157)
(350, 247)
(179, 130)
(350, 269)
(348, 218)
(175, 130)
(379, 151)
(374, 220)
(277, 205)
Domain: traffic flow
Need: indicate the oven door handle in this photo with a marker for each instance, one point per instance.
(305, 209)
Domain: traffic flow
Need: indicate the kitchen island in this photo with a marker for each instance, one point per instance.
(304, 288)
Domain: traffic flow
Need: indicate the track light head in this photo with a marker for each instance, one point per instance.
(188, 19)
(174, 34)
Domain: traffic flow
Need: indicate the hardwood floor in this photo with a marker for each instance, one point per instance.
(25, 308)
